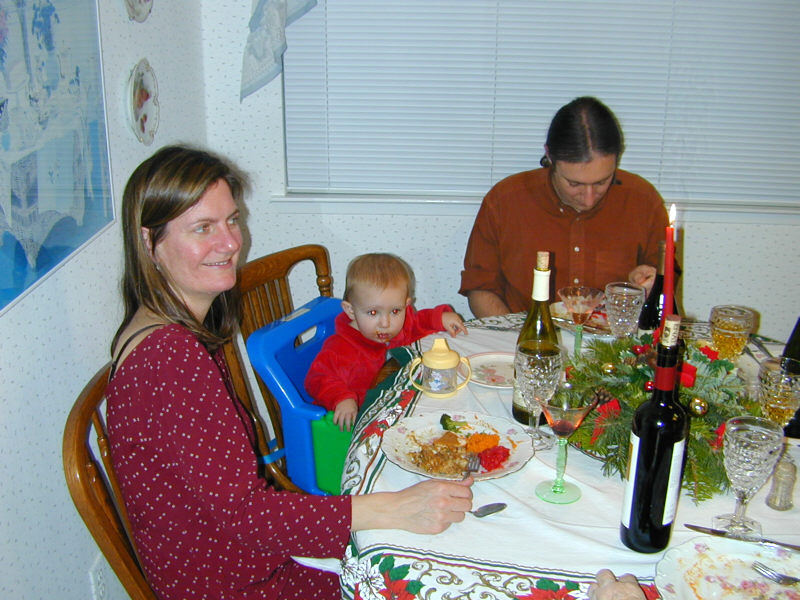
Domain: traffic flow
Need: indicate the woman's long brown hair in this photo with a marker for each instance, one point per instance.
(160, 189)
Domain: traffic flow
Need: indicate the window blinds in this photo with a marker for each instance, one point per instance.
(446, 97)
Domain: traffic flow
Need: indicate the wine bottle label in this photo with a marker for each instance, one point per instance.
(673, 482)
(674, 486)
(627, 500)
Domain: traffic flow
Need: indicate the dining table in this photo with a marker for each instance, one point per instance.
(532, 549)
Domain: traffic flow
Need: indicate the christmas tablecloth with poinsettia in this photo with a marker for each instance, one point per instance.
(530, 550)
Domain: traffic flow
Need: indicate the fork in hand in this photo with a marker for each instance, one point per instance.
(779, 578)
(473, 464)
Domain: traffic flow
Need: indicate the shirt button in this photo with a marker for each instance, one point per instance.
(577, 248)
(576, 280)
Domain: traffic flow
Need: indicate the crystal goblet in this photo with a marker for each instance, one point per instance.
(779, 389)
(564, 413)
(751, 446)
(580, 301)
(538, 366)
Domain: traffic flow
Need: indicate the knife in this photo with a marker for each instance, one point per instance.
(586, 328)
(725, 534)
(760, 345)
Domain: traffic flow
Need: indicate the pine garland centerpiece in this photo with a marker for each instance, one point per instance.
(620, 375)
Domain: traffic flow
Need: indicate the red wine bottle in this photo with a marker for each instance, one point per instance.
(653, 307)
(792, 350)
(656, 454)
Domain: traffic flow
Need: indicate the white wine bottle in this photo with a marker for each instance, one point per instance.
(656, 454)
(538, 325)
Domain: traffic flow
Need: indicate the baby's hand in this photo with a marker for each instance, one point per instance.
(344, 415)
(453, 324)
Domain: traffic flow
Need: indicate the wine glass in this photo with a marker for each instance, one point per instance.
(624, 303)
(751, 447)
(564, 412)
(580, 301)
(538, 365)
(779, 389)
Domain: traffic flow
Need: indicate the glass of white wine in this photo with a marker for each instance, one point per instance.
(779, 389)
(731, 327)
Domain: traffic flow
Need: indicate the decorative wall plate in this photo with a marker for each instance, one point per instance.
(138, 10)
(142, 102)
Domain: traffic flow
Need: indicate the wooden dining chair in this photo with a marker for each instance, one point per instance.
(94, 488)
(266, 297)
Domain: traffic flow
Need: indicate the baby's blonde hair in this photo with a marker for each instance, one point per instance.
(379, 270)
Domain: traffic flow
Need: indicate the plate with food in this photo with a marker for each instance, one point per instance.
(709, 568)
(436, 445)
(597, 324)
(491, 369)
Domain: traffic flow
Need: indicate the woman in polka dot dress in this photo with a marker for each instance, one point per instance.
(205, 524)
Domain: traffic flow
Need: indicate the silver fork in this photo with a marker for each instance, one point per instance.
(774, 575)
(473, 464)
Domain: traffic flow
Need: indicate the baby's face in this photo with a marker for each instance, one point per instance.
(378, 314)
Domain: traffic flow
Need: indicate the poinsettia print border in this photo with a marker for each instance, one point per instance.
(408, 575)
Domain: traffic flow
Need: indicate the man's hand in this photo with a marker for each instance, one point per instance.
(643, 275)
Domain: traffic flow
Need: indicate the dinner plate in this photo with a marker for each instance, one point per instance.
(491, 369)
(711, 568)
(596, 325)
(398, 441)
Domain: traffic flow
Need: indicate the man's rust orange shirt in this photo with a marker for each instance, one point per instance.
(522, 214)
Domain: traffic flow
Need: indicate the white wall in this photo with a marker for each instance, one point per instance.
(57, 336)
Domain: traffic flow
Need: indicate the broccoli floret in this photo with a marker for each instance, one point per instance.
(449, 424)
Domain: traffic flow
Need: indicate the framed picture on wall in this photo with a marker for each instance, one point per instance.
(55, 184)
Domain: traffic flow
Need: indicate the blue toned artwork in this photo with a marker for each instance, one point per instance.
(55, 187)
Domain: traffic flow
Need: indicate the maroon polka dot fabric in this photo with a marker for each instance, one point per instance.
(205, 524)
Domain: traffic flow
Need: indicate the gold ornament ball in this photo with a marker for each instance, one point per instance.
(609, 369)
(698, 407)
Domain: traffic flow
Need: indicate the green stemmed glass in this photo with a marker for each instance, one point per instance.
(564, 413)
(580, 301)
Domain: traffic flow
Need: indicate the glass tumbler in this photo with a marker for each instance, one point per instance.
(624, 303)
(731, 326)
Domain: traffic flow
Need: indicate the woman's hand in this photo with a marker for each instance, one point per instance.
(430, 506)
(453, 324)
(609, 587)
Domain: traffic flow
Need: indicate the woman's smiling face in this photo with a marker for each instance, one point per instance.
(200, 250)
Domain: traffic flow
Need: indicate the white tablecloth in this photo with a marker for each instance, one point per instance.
(531, 543)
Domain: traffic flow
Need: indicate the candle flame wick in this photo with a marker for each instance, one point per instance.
(672, 215)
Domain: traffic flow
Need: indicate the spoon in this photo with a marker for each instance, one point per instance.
(488, 509)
